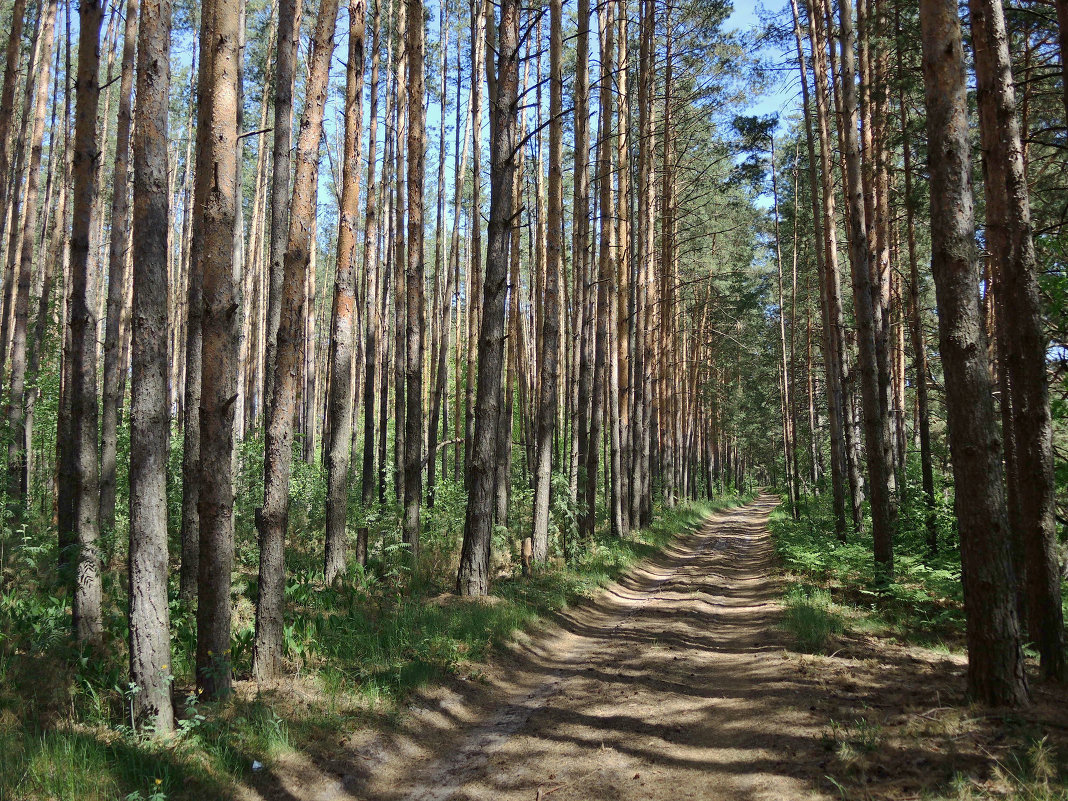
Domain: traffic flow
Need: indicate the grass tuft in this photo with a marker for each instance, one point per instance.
(811, 619)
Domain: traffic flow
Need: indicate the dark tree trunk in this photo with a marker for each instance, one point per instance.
(88, 625)
(1022, 338)
(995, 660)
(473, 577)
(150, 642)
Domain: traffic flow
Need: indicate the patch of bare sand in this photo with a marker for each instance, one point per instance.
(676, 683)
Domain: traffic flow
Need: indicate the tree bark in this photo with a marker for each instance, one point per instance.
(473, 576)
(117, 276)
(550, 321)
(150, 643)
(876, 422)
(272, 518)
(12, 62)
(17, 447)
(339, 446)
(414, 278)
(88, 625)
(995, 660)
(285, 66)
(216, 204)
(1022, 339)
(371, 270)
(919, 345)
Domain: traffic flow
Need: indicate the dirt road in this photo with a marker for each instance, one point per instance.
(675, 683)
(670, 686)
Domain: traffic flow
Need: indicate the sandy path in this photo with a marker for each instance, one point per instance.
(671, 684)
(677, 683)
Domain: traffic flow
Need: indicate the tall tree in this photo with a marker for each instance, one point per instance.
(12, 60)
(995, 660)
(414, 278)
(88, 624)
(285, 68)
(117, 277)
(150, 643)
(473, 576)
(550, 317)
(342, 336)
(216, 201)
(371, 271)
(876, 419)
(272, 519)
(17, 447)
(1022, 340)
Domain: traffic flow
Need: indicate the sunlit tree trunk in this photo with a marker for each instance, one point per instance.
(339, 447)
(117, 276)
(17, 448)
(289, 13)
(372, 271)
(414, 278)
(216, 202)
(550, 323)
(876, 423)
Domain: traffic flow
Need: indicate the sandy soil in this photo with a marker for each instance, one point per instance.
(675, 683)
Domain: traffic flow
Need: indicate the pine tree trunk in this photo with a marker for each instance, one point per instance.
(289, 13)
(117, 277)
(414, 278)
(272, 518)
(473, 576)
(550, 324)
(216, 202)
(189, 570)
(919, 345)
(12, 62)
(372, 273)
(876, 422)
(995, 660)
(1022, 339)
(339, 447)
(88, 626)
(150, 643)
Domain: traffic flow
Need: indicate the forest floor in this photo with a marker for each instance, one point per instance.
(679, 682)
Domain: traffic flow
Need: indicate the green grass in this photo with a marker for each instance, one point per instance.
(355, 651)
(811, 618)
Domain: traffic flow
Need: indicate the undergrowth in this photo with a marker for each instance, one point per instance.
(828, 578)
